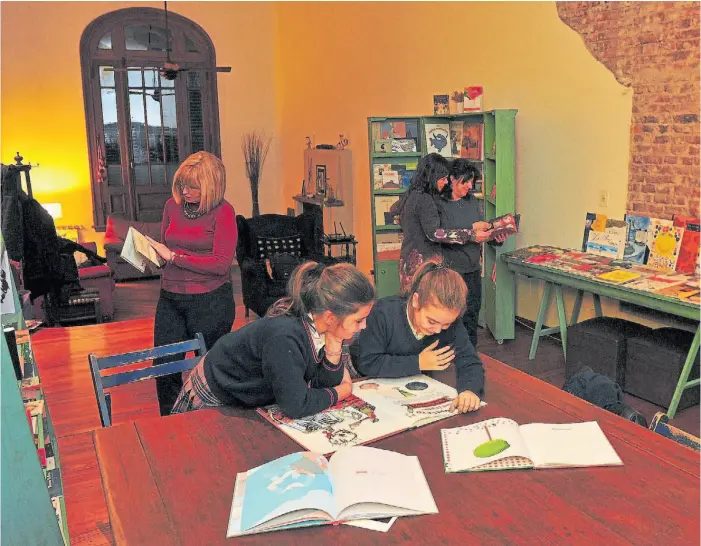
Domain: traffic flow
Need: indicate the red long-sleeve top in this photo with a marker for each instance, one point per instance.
(204, 248)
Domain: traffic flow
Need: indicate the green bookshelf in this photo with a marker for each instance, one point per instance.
(32, 493)
(498, 169)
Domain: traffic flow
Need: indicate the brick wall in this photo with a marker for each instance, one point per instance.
(652, 47)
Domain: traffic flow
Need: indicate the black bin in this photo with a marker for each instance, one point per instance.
(600, 343)
(653, 365)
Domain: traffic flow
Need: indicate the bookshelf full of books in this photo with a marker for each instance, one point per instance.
(33, 507)
(396, 144)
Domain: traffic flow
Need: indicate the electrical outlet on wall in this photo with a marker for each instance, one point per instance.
(604, 198)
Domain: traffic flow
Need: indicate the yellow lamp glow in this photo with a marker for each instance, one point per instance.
(54, 209)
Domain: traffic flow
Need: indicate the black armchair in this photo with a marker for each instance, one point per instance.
(286, 240)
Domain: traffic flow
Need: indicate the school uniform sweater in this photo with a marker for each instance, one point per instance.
(389, 348)
(273, 360)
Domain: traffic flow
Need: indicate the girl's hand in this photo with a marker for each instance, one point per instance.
(482, 236)
(501, 238)
(481, 226)
(162, 250)
(345, 389)
(436, 359)
(466, 401)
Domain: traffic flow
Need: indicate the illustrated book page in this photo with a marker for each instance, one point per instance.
(501, 444)
(376, 409)
(304, 489)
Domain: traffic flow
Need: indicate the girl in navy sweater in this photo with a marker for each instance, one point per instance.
(409, 335)
(295, 356)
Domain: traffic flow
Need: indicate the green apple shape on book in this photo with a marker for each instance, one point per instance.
(491, 447)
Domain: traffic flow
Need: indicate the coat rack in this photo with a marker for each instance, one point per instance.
(19, 166)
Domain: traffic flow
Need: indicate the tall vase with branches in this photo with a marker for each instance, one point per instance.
(255, 146)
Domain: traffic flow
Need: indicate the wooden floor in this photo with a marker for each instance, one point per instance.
(61, 355)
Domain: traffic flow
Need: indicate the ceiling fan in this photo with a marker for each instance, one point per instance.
(169, 70)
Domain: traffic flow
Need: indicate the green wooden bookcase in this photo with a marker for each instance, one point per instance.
(28, 516)
(498, 167)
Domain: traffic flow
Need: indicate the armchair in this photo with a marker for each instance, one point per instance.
(273, 237)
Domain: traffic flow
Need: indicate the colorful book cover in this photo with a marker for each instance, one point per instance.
(400, 145)
(441, 105)
(599, 223)
(398, 129)
(377, 170)
(588, 222)
(383, 205)
(655, 283)
(383, 146)
(473, 99)
(438, 138)
(610, 242)
(455, 138)
(687, 291)
(664, 248)
(386, 129)
(619, 276)
(376, 131)
(412, 128)
(689, 251)
(390, 180)
(471, 141)
(636, 249)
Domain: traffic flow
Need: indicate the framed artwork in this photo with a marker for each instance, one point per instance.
(321, 179)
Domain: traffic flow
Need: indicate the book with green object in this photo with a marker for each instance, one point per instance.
(503, 444)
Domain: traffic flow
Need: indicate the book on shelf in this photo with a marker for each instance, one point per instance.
(389, 245)
(383, 146)
(383, 214)
(412, 128)
(473, 98)
(398, 129)
(376, 409)
(377, 170)
(665, 242)
(441, 105)
(438, 138)
(386, 129)
(636, 239)
(501, 444)
(306, 489)
(139, 252)
(689, 249)
(456, 137)
(403, 145)
(471, 147)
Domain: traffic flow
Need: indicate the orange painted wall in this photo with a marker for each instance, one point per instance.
(42, 99)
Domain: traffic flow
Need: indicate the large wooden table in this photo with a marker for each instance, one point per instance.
(555, 279)
(169, 481)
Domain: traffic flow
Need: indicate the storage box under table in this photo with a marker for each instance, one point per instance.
(654, 363)
(600, 343)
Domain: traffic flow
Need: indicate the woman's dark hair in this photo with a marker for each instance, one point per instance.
(314, 288)
(429, 171)
(439, 285)
(462, 168)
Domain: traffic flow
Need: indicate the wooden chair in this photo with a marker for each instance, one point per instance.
(660, 424)
(102, 382)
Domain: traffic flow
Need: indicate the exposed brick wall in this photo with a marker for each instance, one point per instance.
(652, 47)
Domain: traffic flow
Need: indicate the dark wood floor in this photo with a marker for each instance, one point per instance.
(62, 359)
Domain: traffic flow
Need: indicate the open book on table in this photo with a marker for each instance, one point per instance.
(501, 444)
(305, 489)
(138, 252)
(377, 408)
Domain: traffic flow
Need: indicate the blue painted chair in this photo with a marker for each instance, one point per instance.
(660, 424)
(102, 382)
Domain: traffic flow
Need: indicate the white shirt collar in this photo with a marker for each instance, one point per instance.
(417, 335)
(318, 339)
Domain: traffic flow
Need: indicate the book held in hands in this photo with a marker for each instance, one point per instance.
(306, 489)
(139, 252)
(501, 444)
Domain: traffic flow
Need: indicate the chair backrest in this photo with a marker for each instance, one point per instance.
(102, 382)
(660, 424)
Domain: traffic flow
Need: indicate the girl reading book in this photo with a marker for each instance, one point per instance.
(293, 357)
(407, 335)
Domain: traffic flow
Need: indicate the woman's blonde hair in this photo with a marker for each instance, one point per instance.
(437, 284)
(315, 288)
(205, 171)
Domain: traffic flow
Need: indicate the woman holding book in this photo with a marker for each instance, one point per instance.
(457, 209)
(295, 356)
(199, 235)
(420, 221)
(421, 332)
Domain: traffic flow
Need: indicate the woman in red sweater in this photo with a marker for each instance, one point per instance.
(199, 240)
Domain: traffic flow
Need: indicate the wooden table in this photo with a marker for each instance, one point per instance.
(169, 481)
(555, 279)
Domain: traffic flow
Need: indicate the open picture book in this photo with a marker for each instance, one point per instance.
(138, 252)
(376, 409)
(305, 489)
(501, 444)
